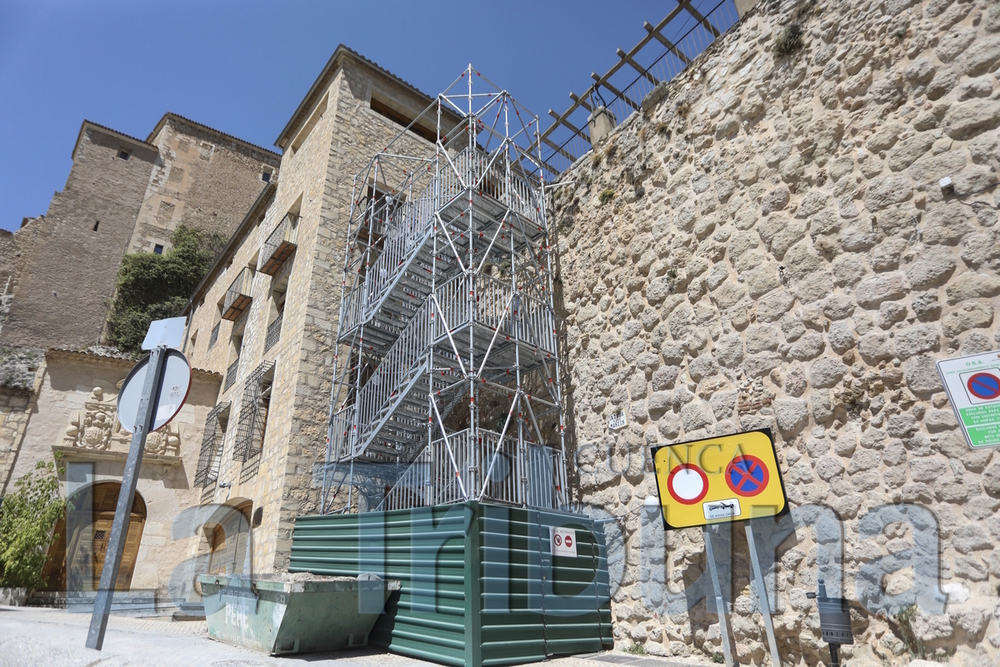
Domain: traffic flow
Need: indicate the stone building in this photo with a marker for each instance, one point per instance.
(58, 271)
(768, 243)
(122, 195)
(266, 315)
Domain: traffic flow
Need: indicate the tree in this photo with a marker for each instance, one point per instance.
(153, 287)
(27, 517)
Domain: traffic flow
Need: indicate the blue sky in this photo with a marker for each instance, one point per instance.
(243, 67)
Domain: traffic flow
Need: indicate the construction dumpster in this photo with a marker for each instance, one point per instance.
(283, 613)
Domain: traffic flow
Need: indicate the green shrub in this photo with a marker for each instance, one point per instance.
(788, 41)
(27, 516)
(607, 196)
(153, 287)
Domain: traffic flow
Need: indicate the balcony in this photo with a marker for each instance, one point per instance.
(273, 332)
(238, 297)
(279, 245)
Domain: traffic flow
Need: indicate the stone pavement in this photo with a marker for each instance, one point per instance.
(54, 638)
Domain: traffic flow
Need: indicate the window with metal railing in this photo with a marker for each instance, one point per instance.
(214, 337)
(212, 443)
(231, 372)
(252, 427)
(238, 296)
(280, 245)
(273, 332)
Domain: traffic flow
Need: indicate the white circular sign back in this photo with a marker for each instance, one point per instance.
(173, 391)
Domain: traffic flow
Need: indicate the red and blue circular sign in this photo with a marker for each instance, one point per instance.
(746, 475)
(984, 386)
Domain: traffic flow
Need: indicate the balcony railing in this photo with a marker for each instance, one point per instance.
(273, 332)
(238, 297)
(279, 245)
(231, 374)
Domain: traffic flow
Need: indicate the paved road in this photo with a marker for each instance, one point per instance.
(32, 637)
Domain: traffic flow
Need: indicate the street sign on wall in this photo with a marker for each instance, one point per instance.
(563, 542)
(717, 480)
(973, 386)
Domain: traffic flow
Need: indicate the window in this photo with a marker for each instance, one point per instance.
(158, 249)
(383, 108)
(276, 312)
(235, 349)
(96, 225)
(266, 174)
(254, 410)
(212, 443)
(123, 154)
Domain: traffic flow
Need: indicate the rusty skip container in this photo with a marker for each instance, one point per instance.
(282, 614)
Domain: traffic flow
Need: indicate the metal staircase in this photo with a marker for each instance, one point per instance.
(446, 385)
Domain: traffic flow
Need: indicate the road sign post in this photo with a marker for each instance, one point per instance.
(723, 480)
(116, 545)
(973, 386)
(152, 395)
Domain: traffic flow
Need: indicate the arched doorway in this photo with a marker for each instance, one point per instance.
(76, 557)
(229, 540)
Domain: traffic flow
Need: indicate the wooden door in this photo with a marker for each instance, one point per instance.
(230, 541)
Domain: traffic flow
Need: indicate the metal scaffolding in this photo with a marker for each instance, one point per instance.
(446, 386)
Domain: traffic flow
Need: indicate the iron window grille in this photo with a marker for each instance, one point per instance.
(212, 339)
(273, 332)
(211, 445)
(252, 426)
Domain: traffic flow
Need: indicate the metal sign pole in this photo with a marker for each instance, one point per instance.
(119, 529)
(720, 604)
(765, 606)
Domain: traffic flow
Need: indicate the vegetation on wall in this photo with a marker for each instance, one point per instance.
(27, 516)
(18, 366)
(788, 41)
(153, 287)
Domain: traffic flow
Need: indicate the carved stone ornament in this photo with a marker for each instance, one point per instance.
(96, 427)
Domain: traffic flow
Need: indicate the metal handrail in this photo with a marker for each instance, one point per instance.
(626, 101)
(286, 231)
(241, 286)
(489, 469)
(412, 223)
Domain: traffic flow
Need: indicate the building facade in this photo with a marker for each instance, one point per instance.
(266, 315)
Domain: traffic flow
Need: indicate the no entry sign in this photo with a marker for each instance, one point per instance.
(717, 480)
(973, 386)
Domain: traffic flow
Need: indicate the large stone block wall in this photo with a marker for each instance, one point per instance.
(767, 245)
(203, 179)
(49, 308)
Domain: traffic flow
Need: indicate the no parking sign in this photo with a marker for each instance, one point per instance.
(973, 386)
(716, 480)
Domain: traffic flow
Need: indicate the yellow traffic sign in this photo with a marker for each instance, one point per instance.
(718, 480)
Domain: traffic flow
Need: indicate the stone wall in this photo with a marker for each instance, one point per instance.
(316, 182)
(203, 179)
(68, 277)
(68, 387)
(768, 245)
(15, 410)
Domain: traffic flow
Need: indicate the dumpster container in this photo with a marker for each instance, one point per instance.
(292, 613)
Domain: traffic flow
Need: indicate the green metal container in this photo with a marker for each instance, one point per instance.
(480, 585)
(270, 614)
